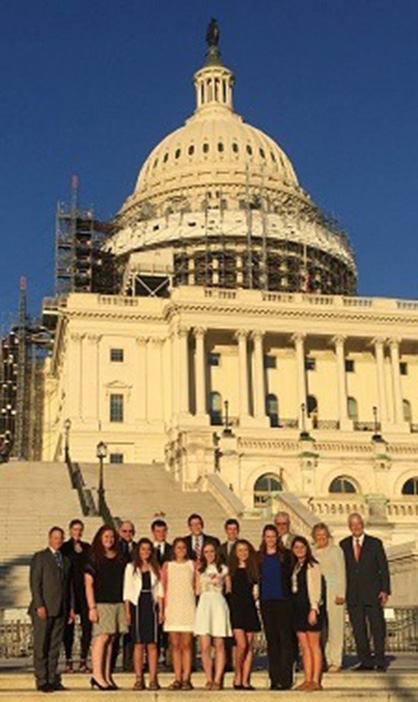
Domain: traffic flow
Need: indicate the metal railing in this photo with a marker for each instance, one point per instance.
(16, 637)
(84, 493)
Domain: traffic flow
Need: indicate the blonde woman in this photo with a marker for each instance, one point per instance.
(331, 559)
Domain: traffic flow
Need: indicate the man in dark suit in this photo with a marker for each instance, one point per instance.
(368, 590)
(78, 552)
(232, 528)
(50, 608)
(126, 540)
(163, 549)
(197, 539)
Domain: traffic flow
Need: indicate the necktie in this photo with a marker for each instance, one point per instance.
(58, 559)
(197, 548)
(357, 550)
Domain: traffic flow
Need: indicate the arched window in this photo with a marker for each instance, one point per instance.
(272, 409)
(265, 487)
(344, 485)
(352, 409)
(215, 408)
(407, 411)
(411, 486)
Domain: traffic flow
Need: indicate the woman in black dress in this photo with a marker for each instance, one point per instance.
(307, 611)
(143, 593)
(242, 602)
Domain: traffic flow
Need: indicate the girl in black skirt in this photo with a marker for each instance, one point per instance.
(245, 622)
(143, 594)
(307, 611)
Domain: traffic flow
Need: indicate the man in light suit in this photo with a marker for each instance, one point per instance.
(50, 608)
(368, 590)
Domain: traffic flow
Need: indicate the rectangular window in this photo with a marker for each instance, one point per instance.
(116, 458)
(403, 368)
(270, 361)
(310, 363)
(116, 355)
(116, 408)
(214, 359)
(349, 365)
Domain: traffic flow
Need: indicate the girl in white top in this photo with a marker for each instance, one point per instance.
(179, 583)
(212, 615)
(143, 597)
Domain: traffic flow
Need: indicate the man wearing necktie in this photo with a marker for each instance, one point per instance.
(163, 551)
(51, 606)
(368, 590)
(197, 539)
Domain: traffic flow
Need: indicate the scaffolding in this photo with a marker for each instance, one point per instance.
(81, 262)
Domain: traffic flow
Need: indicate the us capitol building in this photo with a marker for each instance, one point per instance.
(236, 351)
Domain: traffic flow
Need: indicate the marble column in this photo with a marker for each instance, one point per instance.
(242, 337)
(299, 341)
(379, 349)
(200, 371)
(141, 379)
(90, 364)
(396, 380)
(343, 418)
(74, 379)
(259, 389)
(183, 351)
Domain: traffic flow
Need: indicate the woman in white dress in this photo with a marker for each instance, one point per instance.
(331, 560)
(179, 584)
(212, 615)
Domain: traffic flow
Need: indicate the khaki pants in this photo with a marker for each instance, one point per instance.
(335, 638)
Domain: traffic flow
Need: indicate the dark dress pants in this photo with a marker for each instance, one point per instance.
(277, 621)
(86, 627)
(47, 639)
(359, 615)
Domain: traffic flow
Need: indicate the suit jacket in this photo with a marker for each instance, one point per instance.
(78, 563)
(370, 575)
(50, 586)
(223, 550)
(128, 555)
(289, 541)
(168, 552)
(206, 540)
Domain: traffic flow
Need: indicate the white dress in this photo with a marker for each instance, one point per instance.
(180, 598)
(212, 614)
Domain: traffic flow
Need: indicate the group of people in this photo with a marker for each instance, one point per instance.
(157, 596)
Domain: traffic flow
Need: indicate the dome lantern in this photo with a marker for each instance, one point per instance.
(214, 82)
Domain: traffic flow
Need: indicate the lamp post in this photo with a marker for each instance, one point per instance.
(227, 428)
(303, 434)
(376, 433)
(101, 455)
(67, 427)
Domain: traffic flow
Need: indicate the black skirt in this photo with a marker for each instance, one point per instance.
(144, 616)
(244, 614)
(301, 606)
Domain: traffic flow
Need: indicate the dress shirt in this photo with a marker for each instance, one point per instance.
(359, 539)
(160, 546)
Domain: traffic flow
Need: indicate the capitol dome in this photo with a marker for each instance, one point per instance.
(219, 178)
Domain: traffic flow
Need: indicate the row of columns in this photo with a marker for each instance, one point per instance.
(181, 375)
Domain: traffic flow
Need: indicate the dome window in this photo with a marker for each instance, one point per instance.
(191, 150)
(249, 150)
(165, 159)
(220, 146)
(205, 147)
(177, 153)
(273, 156)
(262, 154)
(155, 163)
(235, 147)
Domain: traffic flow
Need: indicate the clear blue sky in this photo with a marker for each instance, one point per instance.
(90, 86)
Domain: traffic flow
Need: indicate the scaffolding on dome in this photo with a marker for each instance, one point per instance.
(245, 259)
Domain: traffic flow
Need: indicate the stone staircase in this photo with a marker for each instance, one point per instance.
(33, 497)
(143, 492)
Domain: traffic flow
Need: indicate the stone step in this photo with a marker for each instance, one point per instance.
(390, 687)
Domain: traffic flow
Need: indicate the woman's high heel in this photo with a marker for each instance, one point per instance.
(94, 683)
